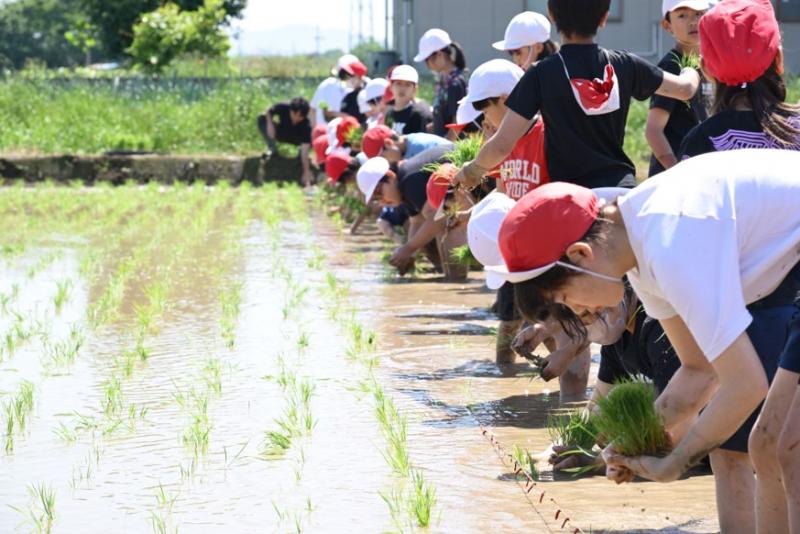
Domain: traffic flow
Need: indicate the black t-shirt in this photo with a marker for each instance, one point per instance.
(727, 130)
(580, 148)
(683, 116)
(646, 351)
(445, 101)
(413, 180)
(285, 131)
(413, 119)
(351, 107)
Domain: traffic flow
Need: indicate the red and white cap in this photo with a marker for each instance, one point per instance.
(404, 73)
(483, 229)
(526, 29)
(466, 114)
(432, 41)
(494, 78)
(351, 65)
(671, 5)
(438, 184)
(375, 88)
(369, 175)
(537, 231)
(336, 164)
(375, 139)
(739, 40)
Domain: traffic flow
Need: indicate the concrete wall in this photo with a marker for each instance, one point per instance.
(476, 24)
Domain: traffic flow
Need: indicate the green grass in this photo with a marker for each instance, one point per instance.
(627, 417)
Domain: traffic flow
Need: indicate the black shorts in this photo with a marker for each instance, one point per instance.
(790, 359)
(770, 334)
(506, 304)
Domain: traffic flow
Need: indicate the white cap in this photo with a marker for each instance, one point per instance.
(404, 73)
(483, 230)
(375, 88)
(370, 174)
(362, 158)
(672, 5)
(493, 78)
(525, 29)
(363, 107)
(485, 236)
(432, 41)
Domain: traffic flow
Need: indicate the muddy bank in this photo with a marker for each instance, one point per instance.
(120, 168)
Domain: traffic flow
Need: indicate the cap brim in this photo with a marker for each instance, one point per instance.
(610, 194)
(493, 281)
(501, 272)
(500, 45)
(456, 127)
(419, 58)
(697, 5)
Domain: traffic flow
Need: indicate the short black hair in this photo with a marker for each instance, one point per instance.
(299, 104)
(579, 18)
(343, 75)
(481, 105)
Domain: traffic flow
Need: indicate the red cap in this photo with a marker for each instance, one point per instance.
(388, 95)
(739, 40)
(320, 147)
(319, 129)
(438, 184)
(356, 68)
(374, 139)
(344, 127)
(336, 163)
(537, 231)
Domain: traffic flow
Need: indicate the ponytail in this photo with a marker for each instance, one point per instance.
(549, 48)
(767, 98)
(456, 53)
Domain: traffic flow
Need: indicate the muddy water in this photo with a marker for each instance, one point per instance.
(435, 350)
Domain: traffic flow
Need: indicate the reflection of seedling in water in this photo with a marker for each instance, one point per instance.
(41, 511)
(627, 418)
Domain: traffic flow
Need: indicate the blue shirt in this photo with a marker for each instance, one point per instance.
(420, 142)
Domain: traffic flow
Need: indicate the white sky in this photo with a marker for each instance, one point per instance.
(263, 15)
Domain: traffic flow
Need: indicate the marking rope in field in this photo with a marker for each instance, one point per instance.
(560, 515)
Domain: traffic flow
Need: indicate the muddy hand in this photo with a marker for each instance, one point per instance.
(565, 457)
(400, 257)
(615, 470)
(526, 341)
(649, 467)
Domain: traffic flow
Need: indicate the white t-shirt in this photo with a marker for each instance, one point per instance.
(331, 91)
(713, 234)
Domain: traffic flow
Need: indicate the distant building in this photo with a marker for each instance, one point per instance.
(634, 25)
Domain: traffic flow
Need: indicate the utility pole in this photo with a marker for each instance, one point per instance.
(371, 23)
(350, 29)
(318, 40)
(360, 21)
(386, 25)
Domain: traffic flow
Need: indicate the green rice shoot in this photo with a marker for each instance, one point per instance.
(627, 418)
(575, 429)
(462, 153)
(463, 256)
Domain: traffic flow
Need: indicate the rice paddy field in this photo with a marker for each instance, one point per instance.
(219, 359)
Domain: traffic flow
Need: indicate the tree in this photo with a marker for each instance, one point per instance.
(116, 19)
(35, 30)
(168, 32)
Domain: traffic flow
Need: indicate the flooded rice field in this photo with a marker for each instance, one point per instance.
(198, 359)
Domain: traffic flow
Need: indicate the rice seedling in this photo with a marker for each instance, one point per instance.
(63, 289)
(463, 256)
(112, 401)
(230, 301)
(65, 433)
(394, 500)
(212, 374)
(574, 429)
(463, 152)
(394, 427)
(627, 418)
(196, 434)
(422, 499)
(40, 513)
(525, 462)
(303, 341)
(690, 60)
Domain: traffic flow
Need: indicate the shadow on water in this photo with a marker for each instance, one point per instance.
(464, 329)
(473, 369)
(475, 314)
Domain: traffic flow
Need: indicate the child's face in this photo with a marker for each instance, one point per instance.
(495, 112)
(388, 192)
(391, 151)
(403, 91)
(296, 116)
(436, 62)
(683, 24)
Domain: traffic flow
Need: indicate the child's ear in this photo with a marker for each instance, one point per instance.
(579, 252)
(665, 25)
(779, 61)
(604, 20)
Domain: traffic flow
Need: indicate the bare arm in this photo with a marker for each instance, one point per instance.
(693, 384)
(495, 150)
(680, 87)
(657, 119)
(426, 230)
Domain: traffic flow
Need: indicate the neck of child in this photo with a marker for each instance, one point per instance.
(400, 105)
(686, 49)
(576, 39)
(620, 251)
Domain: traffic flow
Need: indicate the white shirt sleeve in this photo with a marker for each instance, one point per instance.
(697, 271)
(318, 95)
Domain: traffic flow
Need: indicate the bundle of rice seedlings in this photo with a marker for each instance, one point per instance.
(687, 61)
(463, 152)
(525, 462)
(575, 429)
(354, 137)
(463, 256)
(627, 417)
